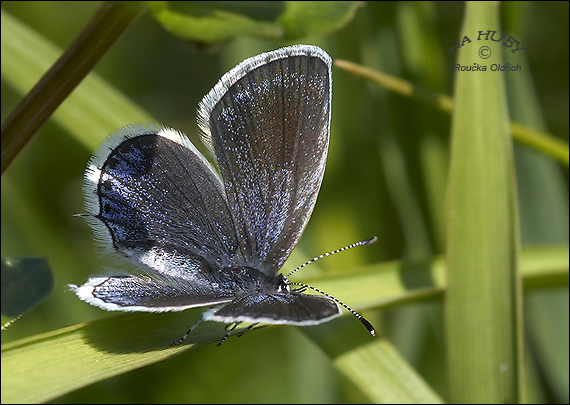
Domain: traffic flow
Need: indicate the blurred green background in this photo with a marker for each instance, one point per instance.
(386, 176)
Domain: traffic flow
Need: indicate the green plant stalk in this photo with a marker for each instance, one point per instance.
(483, 299)
(536, 139)
(66, 73)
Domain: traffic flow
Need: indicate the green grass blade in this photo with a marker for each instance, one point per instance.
(483, 300)
(46, 366)
(49, 365)
(373, 365)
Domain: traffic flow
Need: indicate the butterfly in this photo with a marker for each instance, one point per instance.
(218, 236)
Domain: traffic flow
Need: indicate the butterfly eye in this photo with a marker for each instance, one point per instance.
(283, 285)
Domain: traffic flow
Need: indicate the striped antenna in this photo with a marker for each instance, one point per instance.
(367, 324)
(361, 243)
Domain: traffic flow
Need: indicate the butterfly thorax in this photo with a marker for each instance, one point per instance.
(247, 280)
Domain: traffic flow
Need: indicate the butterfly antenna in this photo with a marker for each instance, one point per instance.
(366, 324)
(361, 243)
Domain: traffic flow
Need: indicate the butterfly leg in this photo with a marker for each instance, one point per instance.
(250, 327)
(230, 330)
(187, 333)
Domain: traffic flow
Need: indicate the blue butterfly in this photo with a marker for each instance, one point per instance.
(217, 238)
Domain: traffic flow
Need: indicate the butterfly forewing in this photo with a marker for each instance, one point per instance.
(159, 200)
(269, 131)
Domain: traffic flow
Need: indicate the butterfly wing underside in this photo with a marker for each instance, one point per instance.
(154, 200)
(267, 123)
